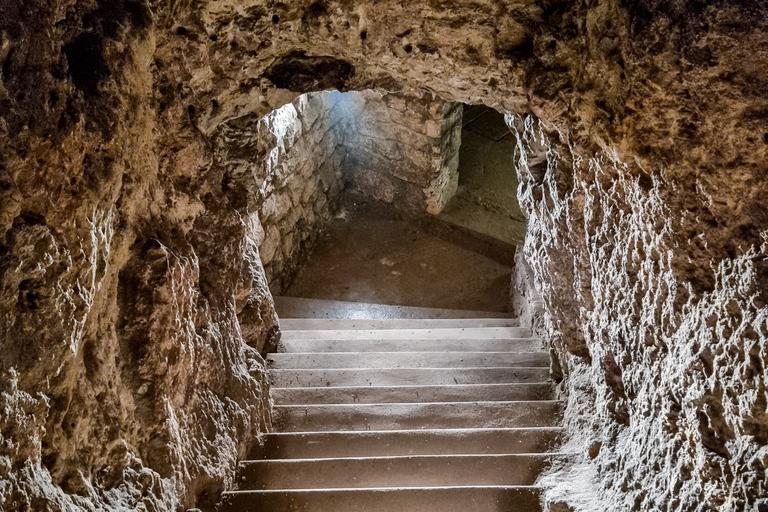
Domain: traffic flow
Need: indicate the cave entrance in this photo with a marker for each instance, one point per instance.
(375, 197)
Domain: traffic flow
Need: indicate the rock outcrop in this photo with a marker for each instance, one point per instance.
(134, 301)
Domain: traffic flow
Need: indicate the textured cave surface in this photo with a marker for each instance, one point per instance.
(136, 166)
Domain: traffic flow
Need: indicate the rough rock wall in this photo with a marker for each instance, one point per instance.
(665, 374)
(401, 149)
(124, 380)
(307, 183)
(130, 270)
(648, 209)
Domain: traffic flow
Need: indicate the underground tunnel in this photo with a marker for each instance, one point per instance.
(167, 169)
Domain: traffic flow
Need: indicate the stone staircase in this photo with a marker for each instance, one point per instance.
(408, 414)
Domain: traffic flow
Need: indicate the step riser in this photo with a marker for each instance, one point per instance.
(423, 471)
(293, 324)
(405, 377)
(408, 360)
(414, 442)
(435, 345)
(475, 499)
(323, 418)
(413, 394)
(490, 333)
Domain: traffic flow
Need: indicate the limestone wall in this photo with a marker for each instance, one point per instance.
(401, 149)
(295, 161)
(663, 360)
(390, 147)
(305, 189)
(125, 383)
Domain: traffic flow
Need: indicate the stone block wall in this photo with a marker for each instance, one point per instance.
(296, 159)
(303, 184)
(402, 150)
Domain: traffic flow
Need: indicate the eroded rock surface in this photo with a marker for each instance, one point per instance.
(124, 380)
(131, 279)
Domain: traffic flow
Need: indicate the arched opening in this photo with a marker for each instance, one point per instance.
(366, 172)
(394, 319)
(486, 199)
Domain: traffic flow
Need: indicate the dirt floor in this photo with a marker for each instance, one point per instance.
(370, 253)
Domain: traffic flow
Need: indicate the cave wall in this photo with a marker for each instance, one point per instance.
(401, 149)
(647, 210)
(124, 380)
(134, 302)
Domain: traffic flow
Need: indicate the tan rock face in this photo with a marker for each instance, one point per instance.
(133, 297)
(125, 380)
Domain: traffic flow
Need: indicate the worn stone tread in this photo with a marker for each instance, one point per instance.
(404, 376)
(465, 333)
(293, 324)
(324, 417)
(393, 471)
(298, 307)
(441, 441)
(414, 394)
(430, 499)
(433, 345)
(328, 360)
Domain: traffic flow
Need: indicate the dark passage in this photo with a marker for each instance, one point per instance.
(486, 201)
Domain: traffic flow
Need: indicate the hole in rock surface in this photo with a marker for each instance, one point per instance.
(87, 66)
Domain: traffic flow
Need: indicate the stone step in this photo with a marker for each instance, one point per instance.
(434, 499)
(398, 471)
(360, 417)
(403, 345)
(414, 410)
(305, 445)
(468, 333)
(414, 394)
(293, 324)
(296, 307)
(329, 360)
(405, 376)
